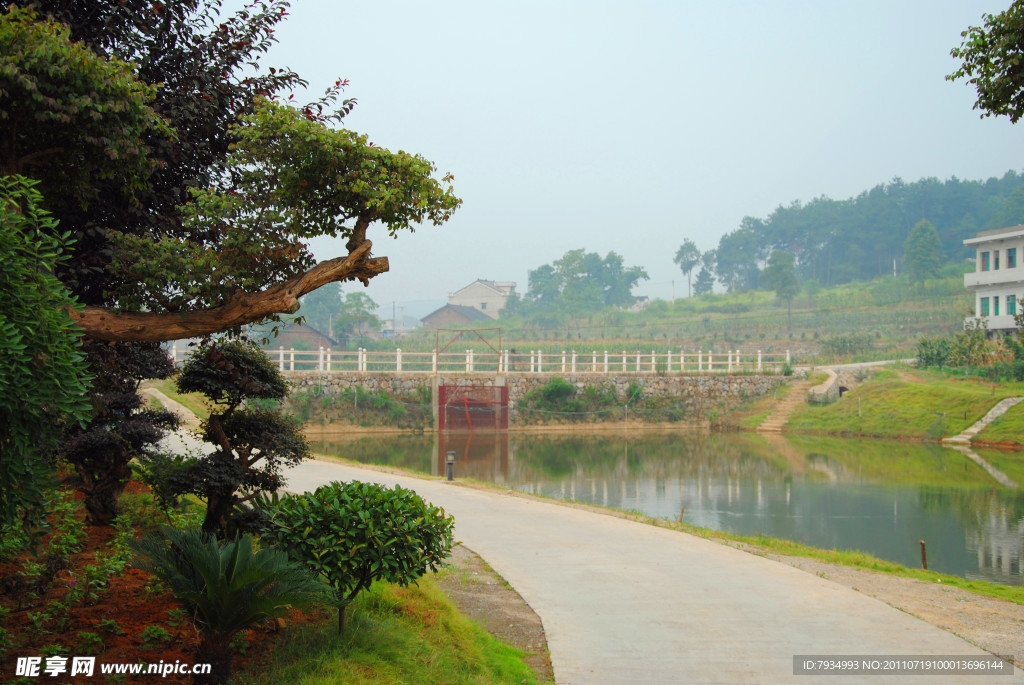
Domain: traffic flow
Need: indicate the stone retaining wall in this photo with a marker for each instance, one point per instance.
(698, 392)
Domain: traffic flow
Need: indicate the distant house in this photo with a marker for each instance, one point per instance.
(487, 297)
(452, 314)
(303, 337)
(998, 279)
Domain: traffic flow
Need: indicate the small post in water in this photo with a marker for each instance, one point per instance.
(924, 557)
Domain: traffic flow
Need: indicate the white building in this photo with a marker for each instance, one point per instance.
(487, 297)
(998, 279)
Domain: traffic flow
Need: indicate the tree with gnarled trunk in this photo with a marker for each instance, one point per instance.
(191, 205)
(260, 227)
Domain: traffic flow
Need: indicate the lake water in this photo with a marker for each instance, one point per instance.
(882, 497)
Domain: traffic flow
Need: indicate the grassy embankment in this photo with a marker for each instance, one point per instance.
(915, 404)
(409, 635)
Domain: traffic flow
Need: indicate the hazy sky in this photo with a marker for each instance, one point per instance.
(632, 126)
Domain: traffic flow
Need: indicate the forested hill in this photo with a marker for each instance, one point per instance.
(837, 241)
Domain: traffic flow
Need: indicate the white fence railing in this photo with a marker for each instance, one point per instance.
(508, 361)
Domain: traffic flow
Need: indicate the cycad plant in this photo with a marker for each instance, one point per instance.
(227, 587)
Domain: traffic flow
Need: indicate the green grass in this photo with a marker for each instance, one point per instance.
(763, 544)
(411, 635)
(194, 402)
(1008, 428)
(932, 406)
(818, 378)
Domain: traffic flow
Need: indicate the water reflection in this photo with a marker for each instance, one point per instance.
(879, 496)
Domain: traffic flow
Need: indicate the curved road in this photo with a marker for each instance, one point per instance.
(624, 602)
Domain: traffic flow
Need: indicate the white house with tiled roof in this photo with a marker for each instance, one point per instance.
(487, 297)
(998, 278)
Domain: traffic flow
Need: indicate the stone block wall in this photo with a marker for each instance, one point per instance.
(698, 392)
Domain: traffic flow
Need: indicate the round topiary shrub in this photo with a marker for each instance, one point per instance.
(355, 533)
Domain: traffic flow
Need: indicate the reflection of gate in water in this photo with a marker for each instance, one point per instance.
(483, 455)
(471, 407)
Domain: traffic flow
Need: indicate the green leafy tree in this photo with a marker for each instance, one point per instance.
(580, 282)
(738, 255)
(226, 587)
(71, 118)
(687, 258)
(705, 277)
(1011, 213)
(43, 373)
(991, 61)
(355, 533)
(251, 445)
(358, 316)
(544, 285)
(780, 276)
(922, 252)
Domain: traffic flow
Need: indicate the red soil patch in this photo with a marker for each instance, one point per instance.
(126, 601)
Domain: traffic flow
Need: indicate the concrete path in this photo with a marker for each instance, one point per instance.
(624, 602)
(994, 413)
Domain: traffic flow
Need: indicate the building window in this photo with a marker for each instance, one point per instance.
(984, 306)
(984, 261)
(995, 306)
(483, 305)
(1011, 258)
(1011, 305)
(995, 260)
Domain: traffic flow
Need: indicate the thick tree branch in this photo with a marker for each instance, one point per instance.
(102, 323)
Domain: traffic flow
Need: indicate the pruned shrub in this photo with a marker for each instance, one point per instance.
(251, 445)
(355, 533)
